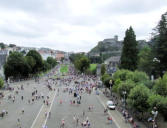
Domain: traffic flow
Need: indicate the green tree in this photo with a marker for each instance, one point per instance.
(145, 60)
(159, 102)
(1, 83)
(140, 77)
(16, 66)
(106, 79)
(160, 86)
(130, 51)
(82, 64)
(12, 45)
(31, 62)
(138, 97)
(125, 86)
(2, 45)
(103, 69)
(51, 61)
(155, 100)
(38, 59)
(161, 46)
(123, 75)
(74, 57)
(46, 65)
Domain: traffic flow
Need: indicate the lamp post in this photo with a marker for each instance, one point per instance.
(110, 82)
(155, 113)
(124, 93)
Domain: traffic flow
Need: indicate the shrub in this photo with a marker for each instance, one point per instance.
(155, 100)
(160, 86)
(140, 77)
(116, 85)
(138, 97)
(105, 79)
(123, 75)
(125, 86)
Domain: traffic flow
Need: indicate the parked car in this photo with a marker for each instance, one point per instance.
(111, 105)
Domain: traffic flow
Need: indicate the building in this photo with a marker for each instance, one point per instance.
(3, 56)
(112, 64)
(111, 40)
(60, 55)
(46, 52)
(26, 49)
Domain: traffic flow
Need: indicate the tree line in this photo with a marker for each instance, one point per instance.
(20, 66)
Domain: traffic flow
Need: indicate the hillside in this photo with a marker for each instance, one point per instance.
(110, 47)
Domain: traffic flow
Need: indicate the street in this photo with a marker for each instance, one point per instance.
(36, 113)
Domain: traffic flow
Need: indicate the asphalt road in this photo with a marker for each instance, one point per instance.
(67, 111)
(34, 115)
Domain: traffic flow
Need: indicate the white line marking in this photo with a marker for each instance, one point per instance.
(37, 116)
(108, 112)
(50, 109)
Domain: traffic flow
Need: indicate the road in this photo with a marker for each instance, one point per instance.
(34, 116)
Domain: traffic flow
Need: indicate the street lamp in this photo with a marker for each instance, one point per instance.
(124, 93)
(156, 60)
(155, 113)
(110, 83)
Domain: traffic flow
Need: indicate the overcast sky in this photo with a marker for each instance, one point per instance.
(75, 25)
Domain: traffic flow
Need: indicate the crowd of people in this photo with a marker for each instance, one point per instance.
(74, 84)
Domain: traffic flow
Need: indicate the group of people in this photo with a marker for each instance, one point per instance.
(73, 84)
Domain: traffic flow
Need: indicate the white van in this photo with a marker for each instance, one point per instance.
(111, 105)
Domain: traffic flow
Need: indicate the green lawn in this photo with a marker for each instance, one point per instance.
(64, 69)
(92, 67)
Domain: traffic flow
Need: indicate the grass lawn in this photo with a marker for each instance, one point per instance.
(92, 67)
(64, 69)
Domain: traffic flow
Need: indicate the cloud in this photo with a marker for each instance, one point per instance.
(75, 25)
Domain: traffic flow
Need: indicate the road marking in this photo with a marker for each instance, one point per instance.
(50, 109)
(37, 116)
(108, 112)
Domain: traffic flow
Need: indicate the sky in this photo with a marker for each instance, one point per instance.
(76, 25)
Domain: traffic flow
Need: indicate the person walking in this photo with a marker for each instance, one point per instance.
(83, 113)
(110, 119)
(49, 114)
(22, 111)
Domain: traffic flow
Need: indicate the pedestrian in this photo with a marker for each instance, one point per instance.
(44, 126)
(18, 122)
(22, 111)
(13, 99)
(74, 118)
(110, 119)
(49, 114)
(88, 124)
(77, 121)
(83, 113)
(46, 114)
(29, 101)
(22, 97)
(60, 101)
(87, 119)
(71, 102)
